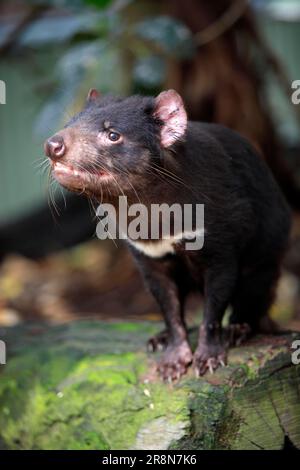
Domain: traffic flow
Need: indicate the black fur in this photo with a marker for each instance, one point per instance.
(247, 221)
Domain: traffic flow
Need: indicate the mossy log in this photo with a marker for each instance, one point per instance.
(91, 385)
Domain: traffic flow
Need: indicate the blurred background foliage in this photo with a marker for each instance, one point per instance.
(53, 51)
(233, 61)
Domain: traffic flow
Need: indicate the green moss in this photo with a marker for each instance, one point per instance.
(81, 386)
(211, 400)
(131, 327)
(64, 398)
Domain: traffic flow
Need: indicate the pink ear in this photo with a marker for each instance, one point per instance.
(169, 109)
(93, 94)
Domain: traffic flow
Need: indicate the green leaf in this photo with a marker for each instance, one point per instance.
(99, 3)
(58, 3)
(172, 36)
(49, 30)
(79, 58)
(71, 70)
(86, 65)
(149, 72)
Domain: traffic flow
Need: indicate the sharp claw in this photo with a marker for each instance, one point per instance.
(175, 363)
(210, 364)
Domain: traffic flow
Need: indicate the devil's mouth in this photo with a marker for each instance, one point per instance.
(67, 174)
(68, 170)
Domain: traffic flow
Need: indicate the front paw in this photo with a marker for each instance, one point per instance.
(209, 358)
(175, 361)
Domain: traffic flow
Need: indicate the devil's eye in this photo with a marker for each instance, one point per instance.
(114, 136)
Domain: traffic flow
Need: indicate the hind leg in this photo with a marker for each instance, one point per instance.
(158, 342)
(251, 303)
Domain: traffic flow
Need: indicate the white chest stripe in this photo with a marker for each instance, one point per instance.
(160, 248)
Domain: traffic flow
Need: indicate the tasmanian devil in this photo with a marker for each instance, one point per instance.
(146, 149)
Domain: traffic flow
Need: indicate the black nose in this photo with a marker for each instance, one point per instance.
(55, 147)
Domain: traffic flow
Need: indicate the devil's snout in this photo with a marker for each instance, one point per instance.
(55, 147)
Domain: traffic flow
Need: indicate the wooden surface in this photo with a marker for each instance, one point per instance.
(91, 385)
